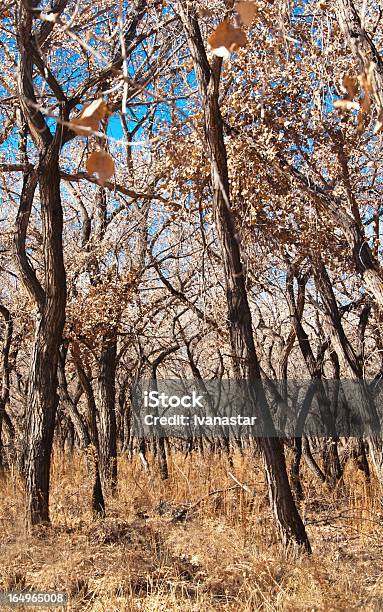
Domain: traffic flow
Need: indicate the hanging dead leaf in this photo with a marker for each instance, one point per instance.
(350, 86)
(366, 83)
(346, 105)
(246, 12)
(365, 103)
(379, 124)
(226, 39)
(360, 126)
(89, 118)
(205, 12)
(100, 163)
(366, 78)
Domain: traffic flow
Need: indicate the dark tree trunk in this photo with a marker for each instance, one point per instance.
(50, 298)
(125, 412)
(69, 440)
(354, 367)
(310, 461)
(42, 396)
(295, 470)
(332, 465)
(98, 502)
(159, 440)
(69, 405)
(4, 371)
(288, 521)
(107, 415)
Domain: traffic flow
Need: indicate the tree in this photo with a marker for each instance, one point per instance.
(244, 354)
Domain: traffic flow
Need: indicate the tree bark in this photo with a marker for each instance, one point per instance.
(246, 366)
(69, 405)
(98, 502)
(50, 298)
(42, 397)
(4, 371)
(107, 415)
(362, 47)
(354, 367)
(331, 459)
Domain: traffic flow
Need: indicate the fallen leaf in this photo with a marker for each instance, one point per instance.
(226, 39)
(89, 118)
(246, 12)
(100, 163)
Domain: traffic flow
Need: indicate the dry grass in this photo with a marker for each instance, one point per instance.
(222, 556)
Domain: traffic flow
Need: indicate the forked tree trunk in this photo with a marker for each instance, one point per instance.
(98, 501)
(288, 521)
(69, 405)
(49, 297)
(361, 396)
(310, 461)
(331, 461)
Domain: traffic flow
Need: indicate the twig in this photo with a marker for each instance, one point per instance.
(241, 485)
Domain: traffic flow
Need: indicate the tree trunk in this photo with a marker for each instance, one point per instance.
(354, 368)
(42, 397)
(4, 371)
(362, 47)
(49, 297)
(332, 465)
(98, 502)
(107, 415)
(288, 521)
(310, 461)
(295, 470)
(70, 406)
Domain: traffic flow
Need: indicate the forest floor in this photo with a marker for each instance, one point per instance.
(148, 555)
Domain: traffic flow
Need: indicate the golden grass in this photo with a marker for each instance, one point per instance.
(223, 556)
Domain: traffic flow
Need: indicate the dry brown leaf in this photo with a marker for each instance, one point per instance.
(366, 79)
(100, 163)
(379, 124)
(360, 126)
(366, 82)
(346, 105)
(246, 12)
(350, 86)
(89, 118)
(205, 12)
(226, 39)
(365, 103)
